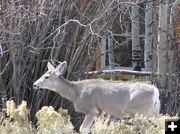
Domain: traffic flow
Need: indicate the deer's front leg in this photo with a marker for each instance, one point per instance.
(85, 127)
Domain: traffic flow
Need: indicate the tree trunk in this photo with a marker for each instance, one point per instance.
(148, 35)
(136, 49)
(174, 78)
(111, 56)
(162, 44)
(103, 52)
(162, 53)
(167, 60)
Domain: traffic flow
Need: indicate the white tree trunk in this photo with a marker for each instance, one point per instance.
(111, 56)
(168, 66)
(103, 52)
(148, 35)
(136, 49)
(162, 44)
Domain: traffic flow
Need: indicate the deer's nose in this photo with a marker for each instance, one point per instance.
(35, 86)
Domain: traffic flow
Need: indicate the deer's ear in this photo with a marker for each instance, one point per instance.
(61, 68)
(50, 66)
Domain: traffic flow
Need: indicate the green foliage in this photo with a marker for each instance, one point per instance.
(52, 122)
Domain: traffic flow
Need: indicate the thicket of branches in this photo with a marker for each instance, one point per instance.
(34, 32)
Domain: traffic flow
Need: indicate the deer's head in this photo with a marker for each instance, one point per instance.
(50, 78)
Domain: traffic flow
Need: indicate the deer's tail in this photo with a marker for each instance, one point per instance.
(156, 101)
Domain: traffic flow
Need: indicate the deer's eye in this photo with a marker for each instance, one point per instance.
(46, 77)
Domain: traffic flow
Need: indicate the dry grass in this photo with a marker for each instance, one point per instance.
(136, 125)
(52, 122)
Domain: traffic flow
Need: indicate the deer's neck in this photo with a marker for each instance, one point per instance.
(67, 89)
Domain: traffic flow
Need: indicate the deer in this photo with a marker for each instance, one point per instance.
(94, 96)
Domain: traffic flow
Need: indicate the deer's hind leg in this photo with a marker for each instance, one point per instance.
(88, 121)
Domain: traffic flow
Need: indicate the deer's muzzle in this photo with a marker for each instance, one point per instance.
(35, 86)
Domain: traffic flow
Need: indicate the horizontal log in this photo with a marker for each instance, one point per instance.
(126, 35)
(122, 71)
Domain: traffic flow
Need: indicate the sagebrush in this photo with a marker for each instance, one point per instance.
(16, 121)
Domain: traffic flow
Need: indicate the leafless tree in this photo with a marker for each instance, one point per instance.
(168, 61)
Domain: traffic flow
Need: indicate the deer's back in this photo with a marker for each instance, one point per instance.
(116, 97)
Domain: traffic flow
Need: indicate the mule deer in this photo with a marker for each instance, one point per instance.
(93, 96)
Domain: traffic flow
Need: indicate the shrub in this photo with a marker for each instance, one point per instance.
(18, 119)
(52, 122)
(137, 125)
